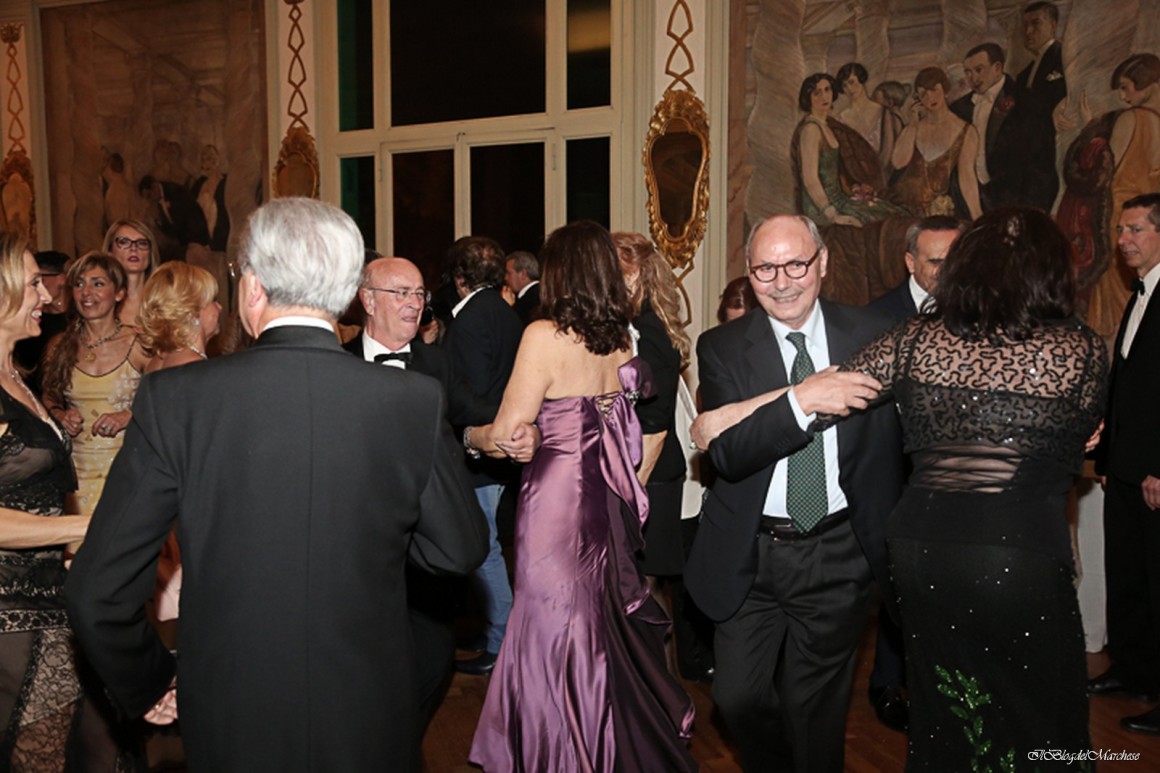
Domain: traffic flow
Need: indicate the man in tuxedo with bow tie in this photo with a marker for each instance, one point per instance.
(393, 296)
(989, 107)
(1040, 87)
(305, 480)
(1129, 459)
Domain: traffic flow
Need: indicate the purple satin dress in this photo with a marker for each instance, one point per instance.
(581, 683)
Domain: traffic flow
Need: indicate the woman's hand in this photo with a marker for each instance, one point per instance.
(521, 446)
(70, 419)
(110, 424)
(847, 220)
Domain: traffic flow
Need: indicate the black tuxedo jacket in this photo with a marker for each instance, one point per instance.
(1129, 447)
(528, 304)
(898, 303)
(482, 341)
(304, 480)
(463, 408)
(1035, 101)
(740, 360)
(1003, 141)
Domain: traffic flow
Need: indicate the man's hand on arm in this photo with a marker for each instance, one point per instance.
(1151, 490)
(835, 392)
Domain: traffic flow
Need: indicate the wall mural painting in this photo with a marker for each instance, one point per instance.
(156, 111)
(867, 115)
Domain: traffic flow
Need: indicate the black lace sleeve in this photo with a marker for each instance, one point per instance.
(881, 358)
(1093, 388)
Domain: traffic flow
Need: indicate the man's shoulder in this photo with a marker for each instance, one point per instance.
(898, 302)
(964, 107)
(860, 322)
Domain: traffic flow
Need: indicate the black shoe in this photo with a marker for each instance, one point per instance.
(705, 675)
(1111, 683)
(890, 707)
(1148, 722)
(480, 665)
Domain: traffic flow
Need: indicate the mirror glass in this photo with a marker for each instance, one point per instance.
(676, 160)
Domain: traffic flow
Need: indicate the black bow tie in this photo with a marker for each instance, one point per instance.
(403, 357)
(1138, 286)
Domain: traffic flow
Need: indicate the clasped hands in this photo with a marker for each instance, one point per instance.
(520, 447)
(830, 391)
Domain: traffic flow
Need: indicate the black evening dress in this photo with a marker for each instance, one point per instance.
(47, 722)
(979, 545)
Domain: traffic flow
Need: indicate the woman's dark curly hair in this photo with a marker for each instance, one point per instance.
(1007, 274)
(583, 290)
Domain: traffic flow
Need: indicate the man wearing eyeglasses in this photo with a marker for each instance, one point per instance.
(793, 528)
(393, 296)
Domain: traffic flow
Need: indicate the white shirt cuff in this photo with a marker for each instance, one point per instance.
(799, 415)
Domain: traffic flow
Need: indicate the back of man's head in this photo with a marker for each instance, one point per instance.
(478, 261)
(306, 254)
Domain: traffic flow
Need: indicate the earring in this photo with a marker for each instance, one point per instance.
(196, 322)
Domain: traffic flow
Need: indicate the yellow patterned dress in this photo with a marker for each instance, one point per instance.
(94, 396)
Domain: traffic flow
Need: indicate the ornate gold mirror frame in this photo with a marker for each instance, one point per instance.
(676, 172)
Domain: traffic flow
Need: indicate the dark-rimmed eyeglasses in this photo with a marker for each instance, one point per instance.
(124, 242)
(402, 295)
(794, 269)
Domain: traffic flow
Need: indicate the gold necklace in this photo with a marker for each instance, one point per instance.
(91, 355)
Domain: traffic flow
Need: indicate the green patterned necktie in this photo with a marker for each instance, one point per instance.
(805, 488)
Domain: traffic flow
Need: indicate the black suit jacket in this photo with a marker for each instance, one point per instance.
(898, 303)
(299, 506)
(1003, 141)
(740, 360)
(1034, 103)
(528, 304)
(482, 341)
(1129, 447)
(463, 408)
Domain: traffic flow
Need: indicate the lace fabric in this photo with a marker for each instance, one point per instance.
(984, 416)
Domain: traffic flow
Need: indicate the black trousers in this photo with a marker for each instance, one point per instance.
(1132, 564)
(785, 660)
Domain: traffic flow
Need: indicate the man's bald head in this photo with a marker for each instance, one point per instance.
(393, 295)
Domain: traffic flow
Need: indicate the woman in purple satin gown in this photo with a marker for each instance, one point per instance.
(581, 682)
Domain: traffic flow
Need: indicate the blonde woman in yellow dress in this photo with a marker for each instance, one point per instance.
(91, 371)
(179, 315)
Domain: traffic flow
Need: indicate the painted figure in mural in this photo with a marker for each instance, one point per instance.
(877, 125)
(1115, 158)
(117, 190)
(989, 109)
(1040, 88)
(213, 230)
(936, 155)
(893, 95)
(836, 172)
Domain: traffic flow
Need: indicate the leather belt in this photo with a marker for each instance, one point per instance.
(783, 530)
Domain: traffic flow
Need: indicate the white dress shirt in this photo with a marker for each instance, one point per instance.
(984, 104)
(917, 294)
(371, 347)
(818, 348)
(1151, 279)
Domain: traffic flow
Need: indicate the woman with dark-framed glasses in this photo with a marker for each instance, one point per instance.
(131, 242)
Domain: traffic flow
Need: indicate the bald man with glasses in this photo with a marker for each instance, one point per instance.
(793, 529)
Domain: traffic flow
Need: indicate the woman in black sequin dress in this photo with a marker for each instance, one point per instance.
(999, 389)
(46, 723)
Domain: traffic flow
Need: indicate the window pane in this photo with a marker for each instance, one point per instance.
(589, 180)
(460, 59)
(423, 191)
(589, 53)
(356, 100)
(507, 195)
(358, 194)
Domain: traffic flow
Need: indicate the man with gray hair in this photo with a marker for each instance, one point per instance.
(305, 480)
(522, 276)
